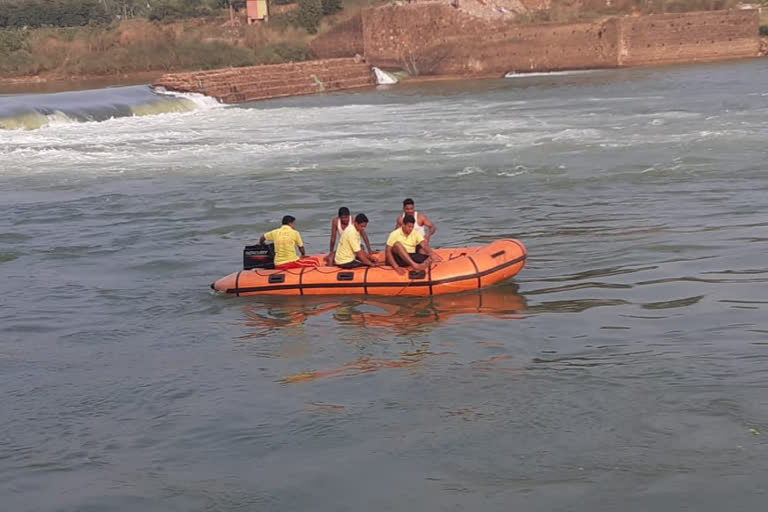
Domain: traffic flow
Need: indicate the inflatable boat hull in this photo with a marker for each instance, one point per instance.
(464, 268)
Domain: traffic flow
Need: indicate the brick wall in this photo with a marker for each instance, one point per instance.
(435, 38)
(237, 85)
(393, 35)
(689, 37)
(438, 39)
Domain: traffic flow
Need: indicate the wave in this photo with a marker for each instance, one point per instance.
(514, 74)
(34, 111)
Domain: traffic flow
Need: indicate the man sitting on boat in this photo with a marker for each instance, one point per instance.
(286, 239)
(406, 247)
(421, 221)
(350, 254)
(338, 225)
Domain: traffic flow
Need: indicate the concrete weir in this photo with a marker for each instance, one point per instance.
(239, 85)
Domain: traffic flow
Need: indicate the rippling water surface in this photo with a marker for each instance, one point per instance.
(624, 368)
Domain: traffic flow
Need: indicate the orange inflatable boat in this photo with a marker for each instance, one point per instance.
(461, 269)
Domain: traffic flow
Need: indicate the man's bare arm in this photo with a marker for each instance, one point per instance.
(429, 224)
(367, 243)
(333, 233)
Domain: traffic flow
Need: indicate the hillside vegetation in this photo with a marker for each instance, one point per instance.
(71, 38)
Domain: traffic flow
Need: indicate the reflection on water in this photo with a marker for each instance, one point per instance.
(404, 315)
(360, 366)
(412, 360)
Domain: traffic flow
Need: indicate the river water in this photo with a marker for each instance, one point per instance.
(625, 368)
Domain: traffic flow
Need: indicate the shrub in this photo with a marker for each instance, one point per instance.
(12, 41)
(292, 53)
(224, 4)
(285, 20)
(310, 13)
(23, 63)
(331, 6)
(166, 11)
(764, 30)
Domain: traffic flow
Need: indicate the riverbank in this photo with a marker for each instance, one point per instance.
(435, 39)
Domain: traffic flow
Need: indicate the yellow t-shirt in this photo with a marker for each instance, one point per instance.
(409, 242)
(348, 245)
(286, 239)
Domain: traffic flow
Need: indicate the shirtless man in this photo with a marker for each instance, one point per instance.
(350, 253)
(422, 221)
(338, 225)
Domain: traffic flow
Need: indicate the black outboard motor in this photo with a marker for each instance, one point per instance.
(259, 256)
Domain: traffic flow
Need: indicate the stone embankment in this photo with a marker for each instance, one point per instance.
(437, 39)
(239, 85)
(440, 38)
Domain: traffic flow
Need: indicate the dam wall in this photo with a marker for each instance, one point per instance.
(689, 37)
(239, 85)
(436, 38)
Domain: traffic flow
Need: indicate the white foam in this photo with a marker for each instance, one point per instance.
(384, 78)
(470, 170)
(35, 120)
(511, 174)
(201, 101)
(513, 74)
(516, 171)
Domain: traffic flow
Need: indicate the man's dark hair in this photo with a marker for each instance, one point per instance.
(408, 219)
(288, 219)
(360, 218)
(343, 211)
(407, 202)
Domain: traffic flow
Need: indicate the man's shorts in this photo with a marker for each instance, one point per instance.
(417, 257)
(351, 264)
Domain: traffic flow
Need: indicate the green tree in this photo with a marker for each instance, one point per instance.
(53, 13)
(172, 10)
(310, 13)
(331, 6)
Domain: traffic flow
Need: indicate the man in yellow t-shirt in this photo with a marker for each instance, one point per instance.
(338, 225)
(406, 247)
(286, 239)
(350, 253)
